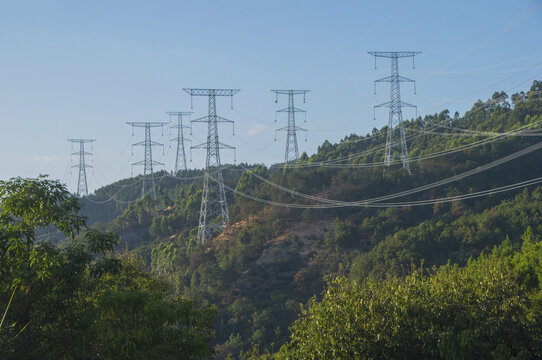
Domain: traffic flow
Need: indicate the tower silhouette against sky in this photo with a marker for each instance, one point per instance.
(291, 153)
(395, 105)
(214, 216)
(148, 186)
(180, 155)
(82, 186)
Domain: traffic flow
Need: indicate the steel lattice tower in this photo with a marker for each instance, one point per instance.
(395, 104)
(291, 154)
(82, 188)
(148, 185)
(214, 215)
(180, 159)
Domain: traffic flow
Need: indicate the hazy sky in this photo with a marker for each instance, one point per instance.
(82, 69)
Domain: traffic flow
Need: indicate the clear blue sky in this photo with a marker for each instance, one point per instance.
(82, 69)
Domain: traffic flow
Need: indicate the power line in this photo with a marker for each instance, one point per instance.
(371, 202)
(394, 205)
(335, 163)
(339, 203)
(493, 84)
(114, 196)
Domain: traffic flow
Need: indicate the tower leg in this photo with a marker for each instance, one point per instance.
(404, 152)
(82, 188)
(148, 178)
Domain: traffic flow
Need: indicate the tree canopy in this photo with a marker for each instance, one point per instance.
(80, 301)
(488, 309)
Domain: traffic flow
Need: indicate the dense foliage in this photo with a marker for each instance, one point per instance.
(273, 259)
(489, 309)
(80, 302)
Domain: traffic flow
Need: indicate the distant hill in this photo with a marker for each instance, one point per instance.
(272, 258)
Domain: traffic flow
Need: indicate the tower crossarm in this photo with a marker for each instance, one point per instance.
(286, 128)
(288, 92)
(151, 143)
(405, 104)
(386, 104)
(179, 138)
(82, 140)
(177, 126)
(147, 124)
(397, 54)
(205, 146)
(389, 105)
(294, 109)
(399, 78)
(82, 165)
(179, 113)
(225, 146)
(81, 153)
(205, 119)
(142, 162)
(211, 92)
(200, 146)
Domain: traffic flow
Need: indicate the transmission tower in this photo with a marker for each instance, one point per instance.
(395, 104)
(291, 154)
(148, 184)
(213, 215)
(180, 159)
(82, 188)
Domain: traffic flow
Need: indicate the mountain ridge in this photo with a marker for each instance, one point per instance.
(261, 271)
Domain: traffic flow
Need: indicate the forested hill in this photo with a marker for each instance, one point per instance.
(110, 201)
(284, 239)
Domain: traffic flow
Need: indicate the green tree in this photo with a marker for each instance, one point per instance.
(482, 311)
(79, 301)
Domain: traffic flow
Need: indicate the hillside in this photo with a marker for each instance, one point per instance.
(274, 258)
(488, 309)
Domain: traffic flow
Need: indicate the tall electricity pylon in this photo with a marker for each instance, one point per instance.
(291, 154)
(82, 188)
(180, 159)
(148, 184)
(395, 104)
(213, 216)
